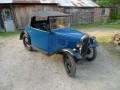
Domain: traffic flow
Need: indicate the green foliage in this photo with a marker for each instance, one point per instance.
(105, 2)
(109, 2)
(114, 14)
(118, 16)
(113, 22)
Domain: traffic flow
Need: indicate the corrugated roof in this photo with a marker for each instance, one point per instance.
(6, 1)
(77, 3)
(28, 1)
(48, 1)
(35, 1)
(63, 3)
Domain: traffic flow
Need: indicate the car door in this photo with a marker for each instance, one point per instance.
(39, 39)
(52, 43)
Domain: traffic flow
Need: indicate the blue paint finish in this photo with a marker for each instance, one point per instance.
(52, 42)
(68, 32)
(67, 37)
(39, 38)
(56, 40)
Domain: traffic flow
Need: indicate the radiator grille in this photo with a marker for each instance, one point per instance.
(85, 45)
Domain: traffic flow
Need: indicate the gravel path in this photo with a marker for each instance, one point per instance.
(24, 70)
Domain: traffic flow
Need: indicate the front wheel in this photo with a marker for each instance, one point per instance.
(91, 54)
(69, 64)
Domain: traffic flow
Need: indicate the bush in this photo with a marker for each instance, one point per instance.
(114, 21)
(113, 14)
(118, 16)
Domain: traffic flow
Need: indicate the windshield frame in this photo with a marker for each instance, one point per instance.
(59, 16)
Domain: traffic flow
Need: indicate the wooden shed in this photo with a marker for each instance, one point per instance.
(83, 11)
(15, 14)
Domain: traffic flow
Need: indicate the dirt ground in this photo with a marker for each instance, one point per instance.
(24, 70)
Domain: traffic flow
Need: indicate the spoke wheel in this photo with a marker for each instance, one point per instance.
(69, 64)
(26, 42)
(91, 54)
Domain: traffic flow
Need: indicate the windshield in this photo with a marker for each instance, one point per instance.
(59, 22)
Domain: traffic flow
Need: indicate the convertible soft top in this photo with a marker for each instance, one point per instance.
(49, 14)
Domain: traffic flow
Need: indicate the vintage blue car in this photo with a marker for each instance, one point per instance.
(51, 33)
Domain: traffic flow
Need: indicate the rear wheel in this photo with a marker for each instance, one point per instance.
(91, 54)
(69, 64)
(26, 42)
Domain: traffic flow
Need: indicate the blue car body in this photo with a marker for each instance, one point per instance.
(54, 41)
(55, 35)
(58, 40)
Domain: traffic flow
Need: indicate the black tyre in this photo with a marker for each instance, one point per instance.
(26, 42)
(91, 54)
(69, 64)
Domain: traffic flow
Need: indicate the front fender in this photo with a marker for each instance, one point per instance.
(94, 44)
(75, 55)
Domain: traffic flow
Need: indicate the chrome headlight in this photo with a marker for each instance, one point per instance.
(81, 41)
(79, 45)
(83, 37)
(74, 49)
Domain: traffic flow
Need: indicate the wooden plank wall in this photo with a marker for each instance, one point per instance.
(2, 29)
(97, 15)
(81, 16)
(22, 13)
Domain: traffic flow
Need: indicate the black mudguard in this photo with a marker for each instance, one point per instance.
(94, 44)
(75, 55)
(24, 32)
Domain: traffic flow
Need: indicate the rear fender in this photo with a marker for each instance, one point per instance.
(25, 32)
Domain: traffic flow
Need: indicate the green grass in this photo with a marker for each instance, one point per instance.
(104, 41)
(8, 34)
(85, 26)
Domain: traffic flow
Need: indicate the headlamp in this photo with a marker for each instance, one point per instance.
(79, 45)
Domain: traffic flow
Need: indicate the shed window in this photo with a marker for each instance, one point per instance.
(7, 15)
